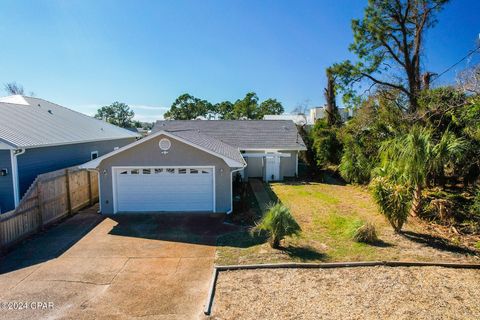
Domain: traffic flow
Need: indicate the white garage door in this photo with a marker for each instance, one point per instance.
(164, 189)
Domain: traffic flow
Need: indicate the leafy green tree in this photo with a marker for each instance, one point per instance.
(376, 120)
(187, 107)
(279, 223)
(117, 113)
(269, 106)
(246, 108)
(327, 147)
(224, 110)
(355, 166)
(388, 43)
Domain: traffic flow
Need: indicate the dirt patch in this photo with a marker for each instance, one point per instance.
(349, 293)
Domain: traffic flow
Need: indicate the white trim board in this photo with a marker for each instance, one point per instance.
(114, 185)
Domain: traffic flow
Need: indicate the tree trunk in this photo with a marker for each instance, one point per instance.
(330, 98)
(275, 242)
(416, 202)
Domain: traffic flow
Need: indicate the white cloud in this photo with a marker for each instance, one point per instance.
(144, 107)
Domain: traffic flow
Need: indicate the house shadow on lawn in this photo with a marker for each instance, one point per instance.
(437, 243)
(242, 239)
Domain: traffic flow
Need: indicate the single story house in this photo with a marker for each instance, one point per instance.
(38, 136)
(190, 165)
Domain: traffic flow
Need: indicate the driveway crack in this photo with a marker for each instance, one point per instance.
(120, 270)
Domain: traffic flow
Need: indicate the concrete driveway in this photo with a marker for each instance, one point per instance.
(122, 267)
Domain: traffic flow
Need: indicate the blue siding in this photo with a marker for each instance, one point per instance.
(6, 185)
(40, 160)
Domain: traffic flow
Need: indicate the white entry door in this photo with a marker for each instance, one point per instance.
(272, 168)
(150, 189)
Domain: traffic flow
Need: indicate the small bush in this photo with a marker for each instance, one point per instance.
(393, 200)
(278, 222)
(366, 233)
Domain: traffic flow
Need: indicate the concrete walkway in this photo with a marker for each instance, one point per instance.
(116, 267)
(261, 194)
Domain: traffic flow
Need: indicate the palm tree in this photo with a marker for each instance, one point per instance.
(278, 222)
(411, 158)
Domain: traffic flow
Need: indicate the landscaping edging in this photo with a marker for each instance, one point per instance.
(216, 270)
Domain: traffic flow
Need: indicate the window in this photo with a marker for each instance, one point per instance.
(146, 171)
(124, 172)
(134, 171)
(158, 171)
(205, 171)
(193, 171)
(170, 170)
(93, 155)
(182, 171)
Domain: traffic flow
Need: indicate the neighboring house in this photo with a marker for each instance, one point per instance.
(320, 113)
(37, 136)
(190, 165)
(298, 119)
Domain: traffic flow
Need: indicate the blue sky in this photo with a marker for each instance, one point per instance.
(85, 54)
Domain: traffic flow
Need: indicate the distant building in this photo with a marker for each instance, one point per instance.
(298, 119)
(320, 113)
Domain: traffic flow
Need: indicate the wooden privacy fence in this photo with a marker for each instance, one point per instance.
(51, 197)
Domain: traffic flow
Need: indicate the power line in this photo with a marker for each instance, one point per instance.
(455, 64)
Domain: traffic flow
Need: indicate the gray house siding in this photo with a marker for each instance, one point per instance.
(6, 185)
(36, 161)
(254, 168)
(288, 165)
(180, 154)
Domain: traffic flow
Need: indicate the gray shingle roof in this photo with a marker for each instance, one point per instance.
(209, 143)
(242, 134)
(32, 122)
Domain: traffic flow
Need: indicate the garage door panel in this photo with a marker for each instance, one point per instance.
(163, 191)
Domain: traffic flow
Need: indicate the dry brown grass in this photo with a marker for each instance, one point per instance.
(348, 293)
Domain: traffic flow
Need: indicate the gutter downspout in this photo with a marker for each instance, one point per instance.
(15, 180)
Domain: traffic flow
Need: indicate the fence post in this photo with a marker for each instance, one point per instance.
(40, 204)
(69, 197)
(90, 193)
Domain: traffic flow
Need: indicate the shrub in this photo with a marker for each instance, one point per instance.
(366, 233)
(354, 166)
(393, 200)
(326, 146)
(278, 222)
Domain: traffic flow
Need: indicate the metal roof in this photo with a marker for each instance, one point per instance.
(242, 134)
(27, 122)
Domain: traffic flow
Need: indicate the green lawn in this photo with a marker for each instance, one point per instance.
(328, 215)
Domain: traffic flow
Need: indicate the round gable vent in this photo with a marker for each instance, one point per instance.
(164, 144)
